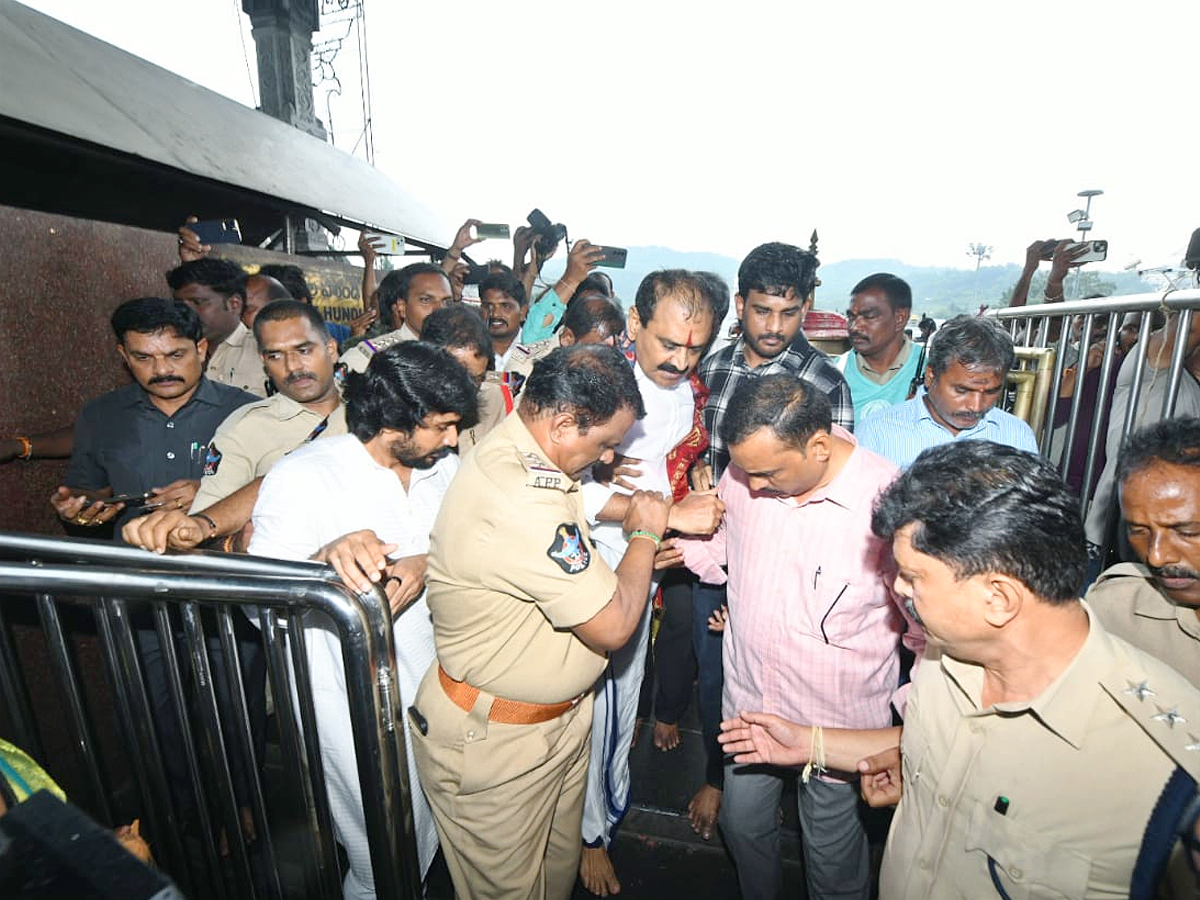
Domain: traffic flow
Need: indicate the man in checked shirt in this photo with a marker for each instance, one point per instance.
(774, 294)
(814, 628)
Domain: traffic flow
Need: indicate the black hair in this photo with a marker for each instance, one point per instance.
(586, 314)
(458, 325)
(402, 386)
(222, 275)
(1172, 441)
(147, 315)
(981, 507)
(507, 284)
(895, 289)
(279, 310)
(291, 277)
(395, 285)
(773, 268)
(590, 381)
(495, 266)
(781, 402)
(594, 281)
(693, 290)
(719, 290)
(971, 341)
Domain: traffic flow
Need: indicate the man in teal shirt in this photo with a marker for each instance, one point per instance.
(881, 365)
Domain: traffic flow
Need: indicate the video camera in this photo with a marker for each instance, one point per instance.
(549, 234)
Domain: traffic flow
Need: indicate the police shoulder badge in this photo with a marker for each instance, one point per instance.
(570, 549)
(212, 460)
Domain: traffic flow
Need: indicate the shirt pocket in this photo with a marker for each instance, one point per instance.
(838, 614)
(1028, 864)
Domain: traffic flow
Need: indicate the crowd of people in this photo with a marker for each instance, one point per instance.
(532, 477)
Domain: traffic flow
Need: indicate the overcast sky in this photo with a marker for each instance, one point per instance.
(897, 130)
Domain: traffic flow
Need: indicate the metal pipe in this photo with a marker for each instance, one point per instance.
(299, 791)
(330, 870)
(1179, 353)
(76, 715)
(239, 715)
(1060, 354)
(1172, 300)
(213, 735)
(179, 704)
(161, 812)
(15, 694)
(404, 874)
(49, 549)
(1085, 345)
(1099, 432)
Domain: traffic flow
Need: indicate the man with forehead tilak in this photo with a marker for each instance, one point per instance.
(1038, 748)
(668, 328)
(525, 612)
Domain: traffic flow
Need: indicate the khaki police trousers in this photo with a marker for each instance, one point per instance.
(507, 799)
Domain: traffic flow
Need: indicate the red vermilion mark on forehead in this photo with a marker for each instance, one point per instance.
(689, 339)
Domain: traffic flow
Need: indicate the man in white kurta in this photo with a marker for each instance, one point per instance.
(311, 498)
(332, 492)
(668, 335)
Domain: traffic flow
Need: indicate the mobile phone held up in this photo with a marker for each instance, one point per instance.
(217, 231)
(1097, 251)
(485, 231)
(613, 258)
(1094, 251)
(387, 244)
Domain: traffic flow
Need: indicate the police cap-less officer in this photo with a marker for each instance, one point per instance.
(524, 611)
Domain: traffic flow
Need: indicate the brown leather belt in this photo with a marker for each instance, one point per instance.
(505, 712)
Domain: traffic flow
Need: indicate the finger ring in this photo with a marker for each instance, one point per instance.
(80, 520)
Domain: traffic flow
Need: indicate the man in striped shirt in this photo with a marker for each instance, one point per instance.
(814, 627)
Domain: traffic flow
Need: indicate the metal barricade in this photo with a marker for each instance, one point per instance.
(189, 604)
(1051, 325)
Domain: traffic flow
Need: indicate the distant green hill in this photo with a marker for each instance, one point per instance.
(939, 291)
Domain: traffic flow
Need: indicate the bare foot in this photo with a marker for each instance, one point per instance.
(703, 809)
(596, 872)
(638, 724)
(666, 735)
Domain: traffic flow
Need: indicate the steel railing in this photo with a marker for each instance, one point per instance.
(190, 601)
(1034, 326)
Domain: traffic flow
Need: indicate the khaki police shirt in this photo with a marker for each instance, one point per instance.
(357, 357)
(1080, 768)
(493, 407)
(252, 439)
(237, 362)
(512, 570)
(523, 356)
(1131, 607)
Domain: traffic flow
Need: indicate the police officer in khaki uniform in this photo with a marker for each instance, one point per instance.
(1155, 603)
(1036, 748)
(459, 329)
(299, 355)
(409, 295)
(524, 611)
(216, 289)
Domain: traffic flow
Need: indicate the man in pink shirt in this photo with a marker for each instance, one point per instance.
(814, 628)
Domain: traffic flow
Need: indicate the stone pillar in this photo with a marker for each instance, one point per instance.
(282, 31)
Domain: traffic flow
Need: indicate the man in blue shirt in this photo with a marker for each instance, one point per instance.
(964, 377)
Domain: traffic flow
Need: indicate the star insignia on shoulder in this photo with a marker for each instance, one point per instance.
(1195, 742)
(1169, 716)
(1141, 691)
